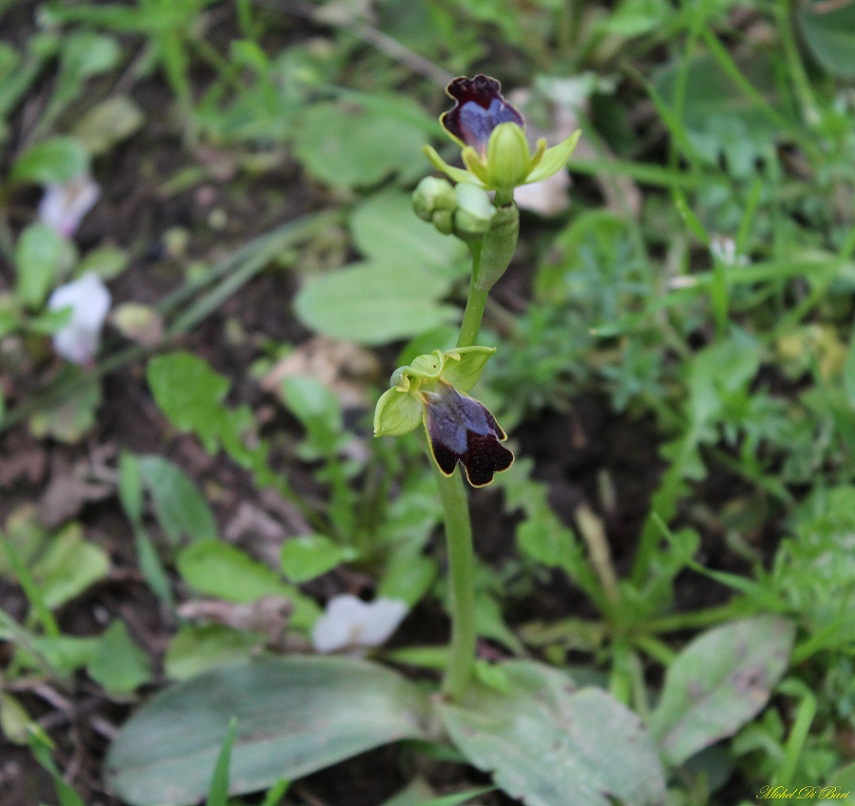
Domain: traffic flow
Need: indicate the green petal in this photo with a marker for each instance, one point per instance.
(457, 174)
(477, 169)
(554, 159)
(397, 413)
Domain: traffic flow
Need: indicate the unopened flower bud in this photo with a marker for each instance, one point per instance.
(433, 195)
(474, 212)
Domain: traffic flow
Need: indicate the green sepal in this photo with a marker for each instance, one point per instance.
(554, 159)
(397, 413)
(463, 367)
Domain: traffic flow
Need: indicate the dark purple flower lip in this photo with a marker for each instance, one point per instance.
(479, 107)
(462, 429)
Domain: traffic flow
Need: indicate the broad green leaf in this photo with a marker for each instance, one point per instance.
(637, 17)
(114, 119)
(374, 303)
(197, 649)
(318, 411)
(118, 664)
(58, 159)
(309, 556)
(829, 31)
(69, 566)
(190, 394)
(386, 230)
(346, 146)
(552, 744)
(41, 257)
(294, 715)
(718, 683)
(180, 508)
(219, 569)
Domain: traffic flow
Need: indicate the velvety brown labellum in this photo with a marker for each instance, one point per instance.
(462, 429)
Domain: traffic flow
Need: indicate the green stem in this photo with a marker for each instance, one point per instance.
(455, 506)
(472, 316)
(461, 570)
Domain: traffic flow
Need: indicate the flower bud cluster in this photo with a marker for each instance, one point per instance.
(463, 210)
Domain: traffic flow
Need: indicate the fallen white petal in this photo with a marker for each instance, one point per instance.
(89, 300)
(547, 198)
(63, 206)
(350, 623)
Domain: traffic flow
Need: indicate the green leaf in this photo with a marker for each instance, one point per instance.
(309, 556)
(65, 653)
(190, 394)
(69, 420)
(718, 683)
(180, 508)
(14, 719)
(386, 230)
(118, 664)
(374, 303)
(58, 159)
(114, 119)
(41, 747)
(41, 256)
(69, 566)
(318, 411)
(218, 791)
(295, 715)
(720, 118)
(829, 31)
(849, 372)
(197, 649)
(408, 576)
(549, 743)
(221, 570)
(106, 261)
(346, 146)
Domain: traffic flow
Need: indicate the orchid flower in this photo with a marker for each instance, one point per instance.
(491, 132)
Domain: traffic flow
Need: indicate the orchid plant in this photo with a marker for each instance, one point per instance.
(434, 388)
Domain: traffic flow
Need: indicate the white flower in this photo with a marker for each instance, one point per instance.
(89, 301)
(351, 624)
(723, 249)
(64, 205)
